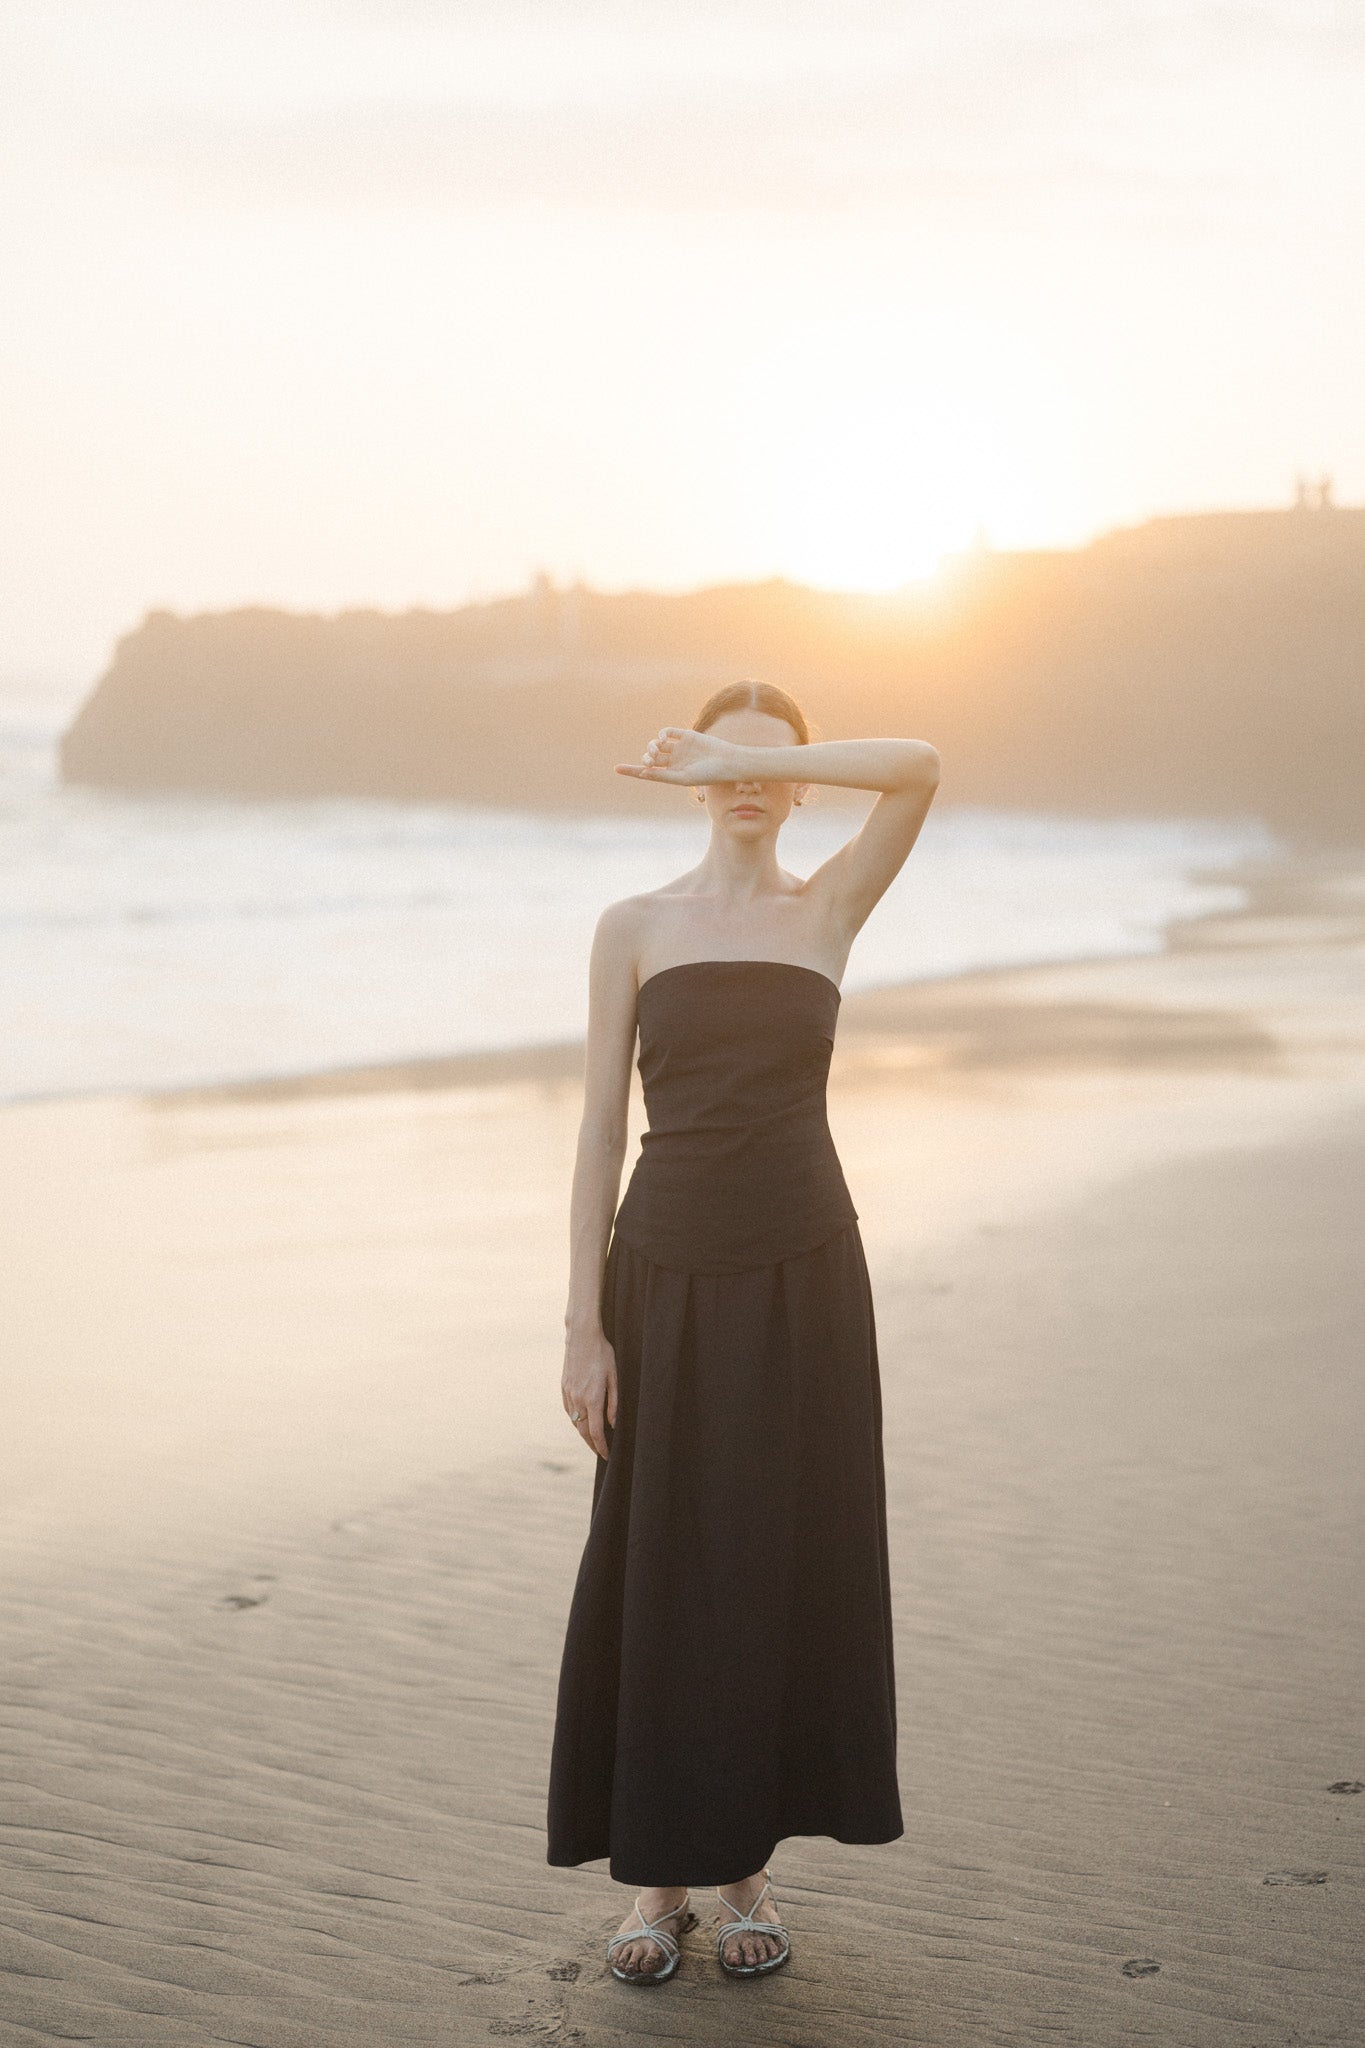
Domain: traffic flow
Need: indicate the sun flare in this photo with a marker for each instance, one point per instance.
(871, 457)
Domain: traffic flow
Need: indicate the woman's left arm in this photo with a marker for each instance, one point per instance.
(887, 765)
(906, 773)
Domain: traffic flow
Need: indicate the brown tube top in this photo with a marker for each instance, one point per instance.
(738, 1166)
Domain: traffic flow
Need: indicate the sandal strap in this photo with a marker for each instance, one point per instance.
(650, 1930)
(745, 1923)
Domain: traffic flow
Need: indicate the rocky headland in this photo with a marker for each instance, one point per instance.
(1207, 665)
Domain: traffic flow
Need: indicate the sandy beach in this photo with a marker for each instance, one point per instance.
(292, 1514)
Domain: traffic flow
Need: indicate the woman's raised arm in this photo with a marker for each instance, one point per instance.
(849, 883)
(906, 772)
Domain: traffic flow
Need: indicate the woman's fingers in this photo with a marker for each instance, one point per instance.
(589, 1413)
(657, 761)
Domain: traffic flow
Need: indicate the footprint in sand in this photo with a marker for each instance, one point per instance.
(564, 1973)
(245, 1599)
(1295, 1877)
(1141, 1966)
(549, 2027)
(1347, 1785)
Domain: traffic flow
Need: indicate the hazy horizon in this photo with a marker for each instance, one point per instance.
(330, 304)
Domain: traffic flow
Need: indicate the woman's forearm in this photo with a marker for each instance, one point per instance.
(846, 764)
(592, 1205)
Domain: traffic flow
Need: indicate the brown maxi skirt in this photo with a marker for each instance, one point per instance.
(727, 1677)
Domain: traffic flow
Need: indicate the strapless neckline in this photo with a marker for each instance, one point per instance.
(794, 967)
(737, 1167)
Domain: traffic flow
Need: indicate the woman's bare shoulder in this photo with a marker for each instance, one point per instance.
(621, 925)
(626, 927)
(636, 913)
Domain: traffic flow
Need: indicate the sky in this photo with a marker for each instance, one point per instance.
(324, 302)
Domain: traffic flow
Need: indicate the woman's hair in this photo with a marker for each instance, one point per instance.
(754, 697)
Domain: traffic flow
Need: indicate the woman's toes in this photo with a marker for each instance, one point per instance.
(747, 1951)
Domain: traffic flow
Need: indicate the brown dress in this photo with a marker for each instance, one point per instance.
(727, 1677)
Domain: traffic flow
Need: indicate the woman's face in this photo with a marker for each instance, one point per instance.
(753, 809)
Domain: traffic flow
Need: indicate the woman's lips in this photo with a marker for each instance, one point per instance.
(746, 810)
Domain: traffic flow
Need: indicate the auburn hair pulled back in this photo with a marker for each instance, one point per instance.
(754, 697)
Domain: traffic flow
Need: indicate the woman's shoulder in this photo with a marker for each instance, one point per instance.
(638, 913)
(637, 927)
(624, 926)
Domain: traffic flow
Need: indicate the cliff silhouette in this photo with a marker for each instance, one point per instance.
(1207, 664)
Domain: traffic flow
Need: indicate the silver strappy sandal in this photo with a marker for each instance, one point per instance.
(655, 1931)
(745, 1923)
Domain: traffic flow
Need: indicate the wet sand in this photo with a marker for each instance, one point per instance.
(293, 1515)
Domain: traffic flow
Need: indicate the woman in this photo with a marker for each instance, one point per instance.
(727, 1677)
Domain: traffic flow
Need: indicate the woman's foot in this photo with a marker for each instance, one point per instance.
(644, 1957)
(750, 1949)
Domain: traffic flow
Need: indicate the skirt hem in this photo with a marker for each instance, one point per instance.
(736, 1869)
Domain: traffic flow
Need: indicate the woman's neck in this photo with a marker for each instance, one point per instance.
(741, 872)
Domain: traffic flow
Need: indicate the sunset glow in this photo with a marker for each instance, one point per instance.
(873, 449)
(323, 304)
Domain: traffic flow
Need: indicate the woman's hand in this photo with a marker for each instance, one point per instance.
(589, 1387)
(676, 754)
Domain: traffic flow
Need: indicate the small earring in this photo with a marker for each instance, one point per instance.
(700, 795)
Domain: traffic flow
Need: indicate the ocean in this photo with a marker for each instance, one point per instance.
(152, 941)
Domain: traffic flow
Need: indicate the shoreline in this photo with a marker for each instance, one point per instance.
(547, 1060)
(1298, 883)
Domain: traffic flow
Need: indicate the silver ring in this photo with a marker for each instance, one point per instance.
(576, 1416)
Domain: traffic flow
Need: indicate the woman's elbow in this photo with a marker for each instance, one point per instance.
(603, 1136)
(924, 765)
